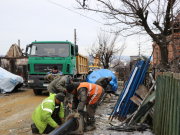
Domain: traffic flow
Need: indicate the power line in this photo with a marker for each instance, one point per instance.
(75, 12)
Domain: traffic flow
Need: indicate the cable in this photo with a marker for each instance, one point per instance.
(75, 12)
(80, 14)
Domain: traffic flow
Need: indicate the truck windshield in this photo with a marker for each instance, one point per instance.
(54, 50)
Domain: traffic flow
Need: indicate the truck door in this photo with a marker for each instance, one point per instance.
(73, 60)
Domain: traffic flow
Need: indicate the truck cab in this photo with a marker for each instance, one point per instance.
(43, 55)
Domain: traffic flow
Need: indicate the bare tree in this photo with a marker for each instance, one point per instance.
(106, 49)
(153, 17)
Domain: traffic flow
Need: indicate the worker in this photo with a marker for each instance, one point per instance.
(48, 115)
(86, 94)
(104, 82)
(59, 84)
(53, 74)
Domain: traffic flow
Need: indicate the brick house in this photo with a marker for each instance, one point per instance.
(173, 51)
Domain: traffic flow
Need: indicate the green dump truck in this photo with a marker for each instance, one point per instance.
(44, 54)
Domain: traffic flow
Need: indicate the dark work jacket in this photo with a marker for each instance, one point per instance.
(102, 82)
(79, 99)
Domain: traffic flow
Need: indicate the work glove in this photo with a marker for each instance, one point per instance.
(65, 92)
(77, 115)
(74, 110)
(56, 126)
(70, 105)
(63, 121)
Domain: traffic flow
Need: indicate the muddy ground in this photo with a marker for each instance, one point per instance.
(16, 109)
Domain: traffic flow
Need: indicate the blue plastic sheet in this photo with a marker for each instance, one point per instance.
(8, 81)
(95, 75)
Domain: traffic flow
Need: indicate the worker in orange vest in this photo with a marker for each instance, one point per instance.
(86, 94)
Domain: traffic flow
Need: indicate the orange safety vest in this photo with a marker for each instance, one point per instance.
(93, 92)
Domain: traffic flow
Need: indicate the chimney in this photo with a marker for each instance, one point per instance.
(19, 43)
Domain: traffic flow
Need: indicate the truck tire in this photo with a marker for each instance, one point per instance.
(37, 92)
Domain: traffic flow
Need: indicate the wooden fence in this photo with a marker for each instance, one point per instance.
(167, 104)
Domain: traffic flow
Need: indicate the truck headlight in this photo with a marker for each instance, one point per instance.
(30, 81)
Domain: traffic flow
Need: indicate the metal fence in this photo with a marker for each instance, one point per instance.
(124, 105)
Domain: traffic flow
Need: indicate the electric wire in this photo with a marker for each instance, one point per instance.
(75, 12)
(80, 14)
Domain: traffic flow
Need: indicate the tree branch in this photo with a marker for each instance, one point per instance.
(157, 25)
(167, 17)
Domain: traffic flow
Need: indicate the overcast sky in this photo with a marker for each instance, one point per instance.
(40, 20)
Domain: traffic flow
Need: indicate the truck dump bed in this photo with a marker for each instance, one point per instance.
(81, 64)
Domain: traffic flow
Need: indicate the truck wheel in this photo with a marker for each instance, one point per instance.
(37, 92)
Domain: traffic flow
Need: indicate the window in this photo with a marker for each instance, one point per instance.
(72, 50)
(33, 50)
(50, 49)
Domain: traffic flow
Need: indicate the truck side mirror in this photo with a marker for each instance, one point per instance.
(76, 50)
(26, 52)
(27, 46)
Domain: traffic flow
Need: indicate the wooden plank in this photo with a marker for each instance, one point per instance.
(175, 107)
(150, 98)
(171, 109)
(167, 86)
(14, 51)
(170, 74)
(151, 112)
(17, 50)
(142, 91)
(178, 109)
(159, 73)
(136, 100)
(175, 75)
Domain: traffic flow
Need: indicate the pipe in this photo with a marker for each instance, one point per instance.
(65, 128)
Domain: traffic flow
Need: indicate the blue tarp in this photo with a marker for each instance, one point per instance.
(95, 75)
(8, 81)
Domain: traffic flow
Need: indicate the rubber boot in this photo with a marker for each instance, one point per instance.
(34, 129)
(91, 125)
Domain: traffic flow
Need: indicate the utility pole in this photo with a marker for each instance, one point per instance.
(75, 36)
(139, 47)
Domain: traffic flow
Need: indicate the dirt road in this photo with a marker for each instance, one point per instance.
(16, 109)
